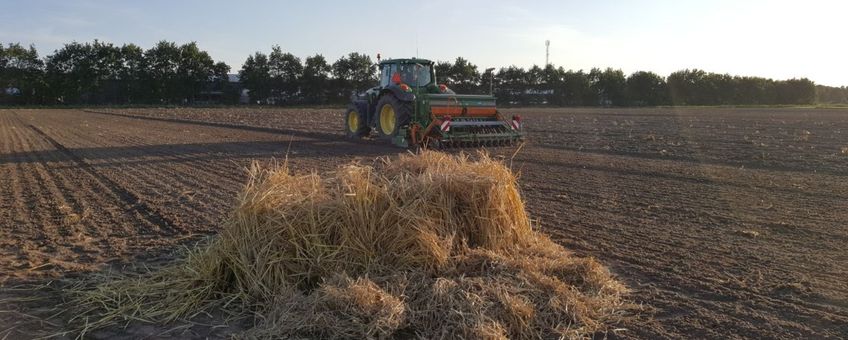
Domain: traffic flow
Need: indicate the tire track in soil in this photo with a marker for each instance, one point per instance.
(187, 176)
(190, 176)
(141, 208)
(85, 218)
(36, 214)
(190, 173)
(52, 233)
(251, 128)
(195, 165)
(76, 230)
(13, 200)
(87, 247)
(224, 170)
(12, 188)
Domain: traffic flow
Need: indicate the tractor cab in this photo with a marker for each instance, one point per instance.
(416, 73)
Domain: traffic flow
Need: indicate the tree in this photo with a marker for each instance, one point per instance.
(796, 91)
(552, 85)
(646, 88)
(315, 80)
(608, 86)
(464, 75)
(286, 71)
(71, 73)
(443, 72)
(576, 89)
(23, 71)
(107, 66)
(753, 91)
(353, 73)
(684, 86)
(533, 81)
(97, 73)
(163, 67)
(255, 75)
(831, 95)
(195, 68)
(512, 85)
(135, 84)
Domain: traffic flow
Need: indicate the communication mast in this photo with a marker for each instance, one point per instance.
(547, 51)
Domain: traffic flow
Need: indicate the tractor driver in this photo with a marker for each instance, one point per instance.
(407, 74)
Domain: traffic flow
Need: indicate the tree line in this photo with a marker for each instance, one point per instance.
(103, 73)
(167, 73)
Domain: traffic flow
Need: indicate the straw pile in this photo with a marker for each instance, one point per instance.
(427, 245)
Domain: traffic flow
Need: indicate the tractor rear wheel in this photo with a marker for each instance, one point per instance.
(355, 123)
(392, 115)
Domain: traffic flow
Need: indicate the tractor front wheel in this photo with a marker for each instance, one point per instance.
(392, 115)
(356, 125)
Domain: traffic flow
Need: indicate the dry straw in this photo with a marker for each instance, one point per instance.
(428, 245)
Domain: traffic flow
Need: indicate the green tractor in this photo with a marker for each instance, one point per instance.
(409, 108)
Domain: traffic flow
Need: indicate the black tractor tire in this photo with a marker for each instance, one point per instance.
(359, 128)
(402, 111)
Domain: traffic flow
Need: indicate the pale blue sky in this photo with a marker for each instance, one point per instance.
(778, 39)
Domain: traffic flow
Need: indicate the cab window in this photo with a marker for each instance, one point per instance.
(386, 74)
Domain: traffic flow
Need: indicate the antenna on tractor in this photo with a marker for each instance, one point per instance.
(547, 52)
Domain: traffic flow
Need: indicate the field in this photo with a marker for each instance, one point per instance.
(723, 222)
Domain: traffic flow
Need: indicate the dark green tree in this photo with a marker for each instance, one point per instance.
(796, 92)
(195, 69)
(135, 85)
(608, 86)
(71, 73)
(831, 95)
(23, 71)
(353, 73)
(552, 85)
(255, 76)
(315, 81)
(286, 70)
(163, 68)
(464, 76)
(684, 86)
(512, 86)
(576, 89)
(646, 89)
(443, 73)
(534, 94)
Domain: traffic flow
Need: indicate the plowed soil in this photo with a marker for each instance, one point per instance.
(725, 223)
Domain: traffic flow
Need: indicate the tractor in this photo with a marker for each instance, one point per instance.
(410, 109)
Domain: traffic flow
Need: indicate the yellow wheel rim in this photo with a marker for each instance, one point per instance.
(353, 121)
(387, 119)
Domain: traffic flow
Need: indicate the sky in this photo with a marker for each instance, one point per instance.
(776, 39)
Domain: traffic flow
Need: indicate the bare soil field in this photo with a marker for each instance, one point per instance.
(724, 223)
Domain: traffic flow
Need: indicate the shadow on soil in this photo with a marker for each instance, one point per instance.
(177, 153)
(815, 168)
